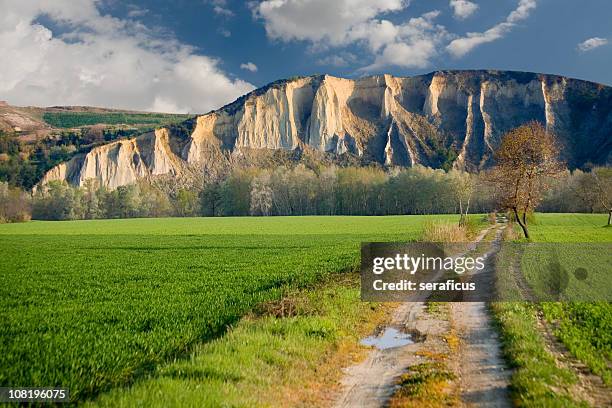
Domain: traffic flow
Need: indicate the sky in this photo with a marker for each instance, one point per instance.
(193, 56)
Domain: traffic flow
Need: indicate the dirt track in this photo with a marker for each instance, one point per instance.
(483, 378)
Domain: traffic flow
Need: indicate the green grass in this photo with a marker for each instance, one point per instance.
(264, 358)
(77, 119)
(584, 327)
(571, 228)
(536, 380)
(92, 305)
(586, 330)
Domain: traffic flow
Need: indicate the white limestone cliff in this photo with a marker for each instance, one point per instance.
(394, 121)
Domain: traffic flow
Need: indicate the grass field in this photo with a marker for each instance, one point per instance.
(584, 327)
(93, 305)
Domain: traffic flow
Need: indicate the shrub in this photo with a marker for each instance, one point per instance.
(444, 232)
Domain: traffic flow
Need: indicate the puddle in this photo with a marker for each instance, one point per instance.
(392, 337)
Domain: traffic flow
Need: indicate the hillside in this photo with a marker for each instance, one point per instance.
(444, 119)
(33, 139)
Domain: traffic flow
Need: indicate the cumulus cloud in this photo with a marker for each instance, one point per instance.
(463, 45)
(102, 60)
(462, 9)
(320, 20)
(414, 44)
(340, 23)
(592, 43)
(249, 66)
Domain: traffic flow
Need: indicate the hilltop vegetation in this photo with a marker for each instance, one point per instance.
(67, 119)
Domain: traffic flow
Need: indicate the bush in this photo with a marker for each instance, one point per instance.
(444, 232)
(14, 204)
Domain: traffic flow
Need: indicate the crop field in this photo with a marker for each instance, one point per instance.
(92, 305)
(77, 119)
(585, 328)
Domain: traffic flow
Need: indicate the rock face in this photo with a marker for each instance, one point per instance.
(120, 163)
(443, 119)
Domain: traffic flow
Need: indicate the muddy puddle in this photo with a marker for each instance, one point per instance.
(391, 337)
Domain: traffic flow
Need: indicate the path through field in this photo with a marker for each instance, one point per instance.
(482, 377)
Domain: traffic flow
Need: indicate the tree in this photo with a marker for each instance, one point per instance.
(236, 192)
(56, 201)
(14, 204)
(586, 190)
(464, 185)
(186, 203)
(210, 200)
(524, 163)
(603, 185)
(91, 202)
(261, 195)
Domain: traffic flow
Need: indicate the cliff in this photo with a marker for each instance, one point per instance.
(443, 119)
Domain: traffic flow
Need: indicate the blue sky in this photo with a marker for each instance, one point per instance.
(193, 56)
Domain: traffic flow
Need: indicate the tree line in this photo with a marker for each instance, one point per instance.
(296, 191)
(285, 190)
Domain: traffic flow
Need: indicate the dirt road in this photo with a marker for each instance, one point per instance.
(482, 376)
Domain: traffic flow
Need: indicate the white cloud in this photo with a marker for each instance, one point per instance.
(461, 46)
(225, 12)
(225, 32)
(462, 9)
(341, 59)
(249, 66)
(415, 44)
(104, 61)
(320, 20)
(592, 43)
(135, 11)
(355, 22)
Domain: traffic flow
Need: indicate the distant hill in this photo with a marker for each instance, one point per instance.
(33, 140)
(32, 121)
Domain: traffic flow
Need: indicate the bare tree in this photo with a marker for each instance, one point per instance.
(524, 163)
(586, 190)
(603, 185)
(464, 186)
(261, 195)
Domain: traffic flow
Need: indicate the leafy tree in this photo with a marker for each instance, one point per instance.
(524, 163)
(186, 203)
(210, 200)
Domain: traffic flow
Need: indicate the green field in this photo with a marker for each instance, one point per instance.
(585, 328)
(92, 305)
(77, 119)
